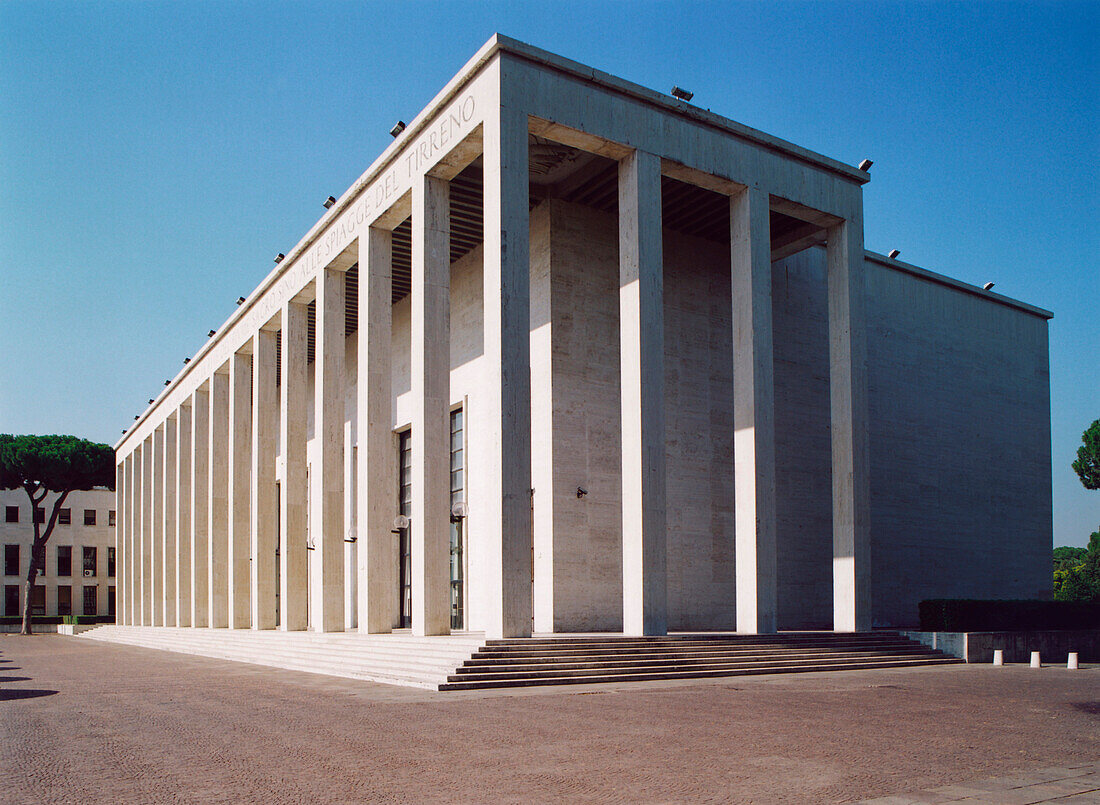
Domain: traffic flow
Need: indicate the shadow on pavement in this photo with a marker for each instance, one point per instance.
(23, 693)
(14, 678)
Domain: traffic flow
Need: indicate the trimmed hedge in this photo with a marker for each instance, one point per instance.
(970, 615)
(53, 620)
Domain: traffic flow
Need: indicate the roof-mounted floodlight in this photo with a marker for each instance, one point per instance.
(136, 417)
(329, 202)
(240, 300)
(150, 401)
(682, 94)
(865, 165)
(893, 255)
(398, 127)
(211, 333)
(279, 257)
(168, 382)
(187, 360)
(988, 286)
(124, 431)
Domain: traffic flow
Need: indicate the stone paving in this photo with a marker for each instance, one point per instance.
(82, 721)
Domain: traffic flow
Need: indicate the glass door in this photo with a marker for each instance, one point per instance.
(404, 552)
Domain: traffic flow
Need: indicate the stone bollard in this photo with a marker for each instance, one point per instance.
(998, 656)
(1071, 661)
(1035, 662)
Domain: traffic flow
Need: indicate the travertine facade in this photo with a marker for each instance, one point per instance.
(575, 356)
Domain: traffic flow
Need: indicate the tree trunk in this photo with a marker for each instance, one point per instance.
(38, 547)
(32, 574)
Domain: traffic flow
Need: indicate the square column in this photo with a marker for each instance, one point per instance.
(147, 532)
(157, 527)
(200, 506)
(376, 468)
(121, 530)
(240, 493)
(183, 515)
(328, 416)
(753, 412)
(133, 600)
(264, 525)
(848, 406)
(506, 481)
(642, 348)
(218, 501)
(293, 582)
(169, 548)
(431, 384)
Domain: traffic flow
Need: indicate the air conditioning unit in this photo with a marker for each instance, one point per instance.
(89, 573)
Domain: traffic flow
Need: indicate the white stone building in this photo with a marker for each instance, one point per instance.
(78, 575)
(573, 355)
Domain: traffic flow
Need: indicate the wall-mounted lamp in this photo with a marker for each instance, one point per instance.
(893, 255)
(400, 523)
(352, 536)
(865, 165)
(280, 257)
(329, 202)
(581, 491)
(398, 127)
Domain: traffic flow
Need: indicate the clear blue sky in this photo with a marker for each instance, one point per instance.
(154, 156)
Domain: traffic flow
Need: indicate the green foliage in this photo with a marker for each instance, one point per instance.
(964, 615)
(54, 463)
(1077, 576)
(1087, 465)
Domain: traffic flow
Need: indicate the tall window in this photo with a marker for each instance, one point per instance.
(89, 560)
(111, 518)
(90, 603)
(111, 600)
(65, 517)
(39, 514)
(38, 600)
(11, 514)
(111, 561)
(404, 497)
(64, 560)
(457, 496)
(64, 599)
(11, 560)
(11, 599)
(89, 517)
(40, 560)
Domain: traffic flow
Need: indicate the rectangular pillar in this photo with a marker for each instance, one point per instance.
(218, 501)
(200, 506)
(157, 527)
(240, 494)
(169, 549)
(183, 515)
(431, 375)
(147, 532)
(264, 524)
(377, 463)
(848, 400)
(507, 356)
(293, 582)
(328, 418)
(133, 600)
(641, 336)
(753, 412)
(121, 529)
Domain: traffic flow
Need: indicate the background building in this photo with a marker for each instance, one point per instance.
(78, 575)
(573, 355)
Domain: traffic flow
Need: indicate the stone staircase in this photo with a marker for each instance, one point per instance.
(470, 662)
(585, 660)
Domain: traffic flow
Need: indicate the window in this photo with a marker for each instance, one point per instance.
(111, 561)
(11, 514)
(457, 496)
(90, 599)
(11, 560)
(64, 560)
(111, 601)
(64, 599)
(40, 560)
(89, 517)
(65, 517)
(11, 599)
(89, 560)
(111, 518)
(38, 600)
(39, 514)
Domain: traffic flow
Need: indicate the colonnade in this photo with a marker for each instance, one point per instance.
(214, 483)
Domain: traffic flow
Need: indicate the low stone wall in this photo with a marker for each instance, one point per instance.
(74, 629)
(39, 628)
(1053, 646)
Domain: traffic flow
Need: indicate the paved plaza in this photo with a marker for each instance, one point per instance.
(82, 721)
